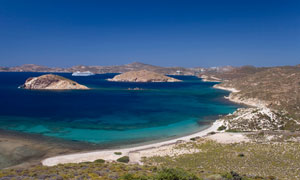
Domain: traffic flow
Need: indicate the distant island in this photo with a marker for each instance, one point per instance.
(142, 76)
(135, 66)
(51, 82)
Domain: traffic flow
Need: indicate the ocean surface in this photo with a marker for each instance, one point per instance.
(109, 113)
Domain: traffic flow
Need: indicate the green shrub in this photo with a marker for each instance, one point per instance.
(232, 130)
(241, 155)
(124, 159)
(118, 153)
(99, 161)
(175, 174)
(193, 139)
(232, 176)
(134, 177)
(221, 128)
(211, 133)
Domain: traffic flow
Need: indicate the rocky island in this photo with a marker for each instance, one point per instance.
(142, 76)
(51, 82)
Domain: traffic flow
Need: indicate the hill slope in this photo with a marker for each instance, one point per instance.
(276, 88)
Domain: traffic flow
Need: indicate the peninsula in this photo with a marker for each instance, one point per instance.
(51, 82)
(143, 76)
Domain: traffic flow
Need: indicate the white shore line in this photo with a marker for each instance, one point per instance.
(217, 86)
(109, 154)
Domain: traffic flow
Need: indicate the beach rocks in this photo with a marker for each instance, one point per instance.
(51, 82)
(142, 76)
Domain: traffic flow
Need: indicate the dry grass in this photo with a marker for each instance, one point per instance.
(281, 159)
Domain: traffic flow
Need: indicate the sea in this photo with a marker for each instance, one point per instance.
(111, 113)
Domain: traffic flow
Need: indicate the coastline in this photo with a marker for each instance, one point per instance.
(249, 102)
(138, 152)
(109, 155)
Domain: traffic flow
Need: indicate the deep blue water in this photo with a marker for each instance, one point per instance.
(109, 112)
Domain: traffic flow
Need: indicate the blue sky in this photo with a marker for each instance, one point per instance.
(160, 32)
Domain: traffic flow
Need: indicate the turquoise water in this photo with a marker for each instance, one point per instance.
(109, 113)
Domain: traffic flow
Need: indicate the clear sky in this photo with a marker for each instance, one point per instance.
(160, 32)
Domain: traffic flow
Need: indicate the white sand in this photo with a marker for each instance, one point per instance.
(135, 153)
(228, 138)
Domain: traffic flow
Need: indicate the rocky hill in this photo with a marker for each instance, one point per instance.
(136, 66)
(51, 82)
(32, 68)
(228, 72)
(143, 76)
(276, 89)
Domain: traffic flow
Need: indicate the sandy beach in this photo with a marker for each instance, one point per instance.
(157, 149)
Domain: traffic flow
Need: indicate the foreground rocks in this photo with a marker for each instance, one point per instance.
(51, 82)
(143, 76)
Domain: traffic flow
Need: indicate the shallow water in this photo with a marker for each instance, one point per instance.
(109, 113)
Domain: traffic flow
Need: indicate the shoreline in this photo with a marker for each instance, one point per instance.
(109, 155)
(134, 152)
(253, 102)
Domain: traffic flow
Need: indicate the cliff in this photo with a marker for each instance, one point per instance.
(143, 76)
(51, 82)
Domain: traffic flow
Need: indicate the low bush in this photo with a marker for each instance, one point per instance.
(232, 130)
(241, 155)
(221, 128)
(211, 133)
(124, 159)
(175, 174)
(99, 161)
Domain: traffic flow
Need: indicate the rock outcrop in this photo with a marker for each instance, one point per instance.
(142, 76)
(51, 82)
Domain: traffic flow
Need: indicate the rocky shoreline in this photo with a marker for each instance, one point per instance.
(206, 78)
(254, 118)
(233, 96)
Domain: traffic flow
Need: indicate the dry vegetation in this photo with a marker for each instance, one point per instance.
(278, 86)
(269, 160)
(263, 159)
